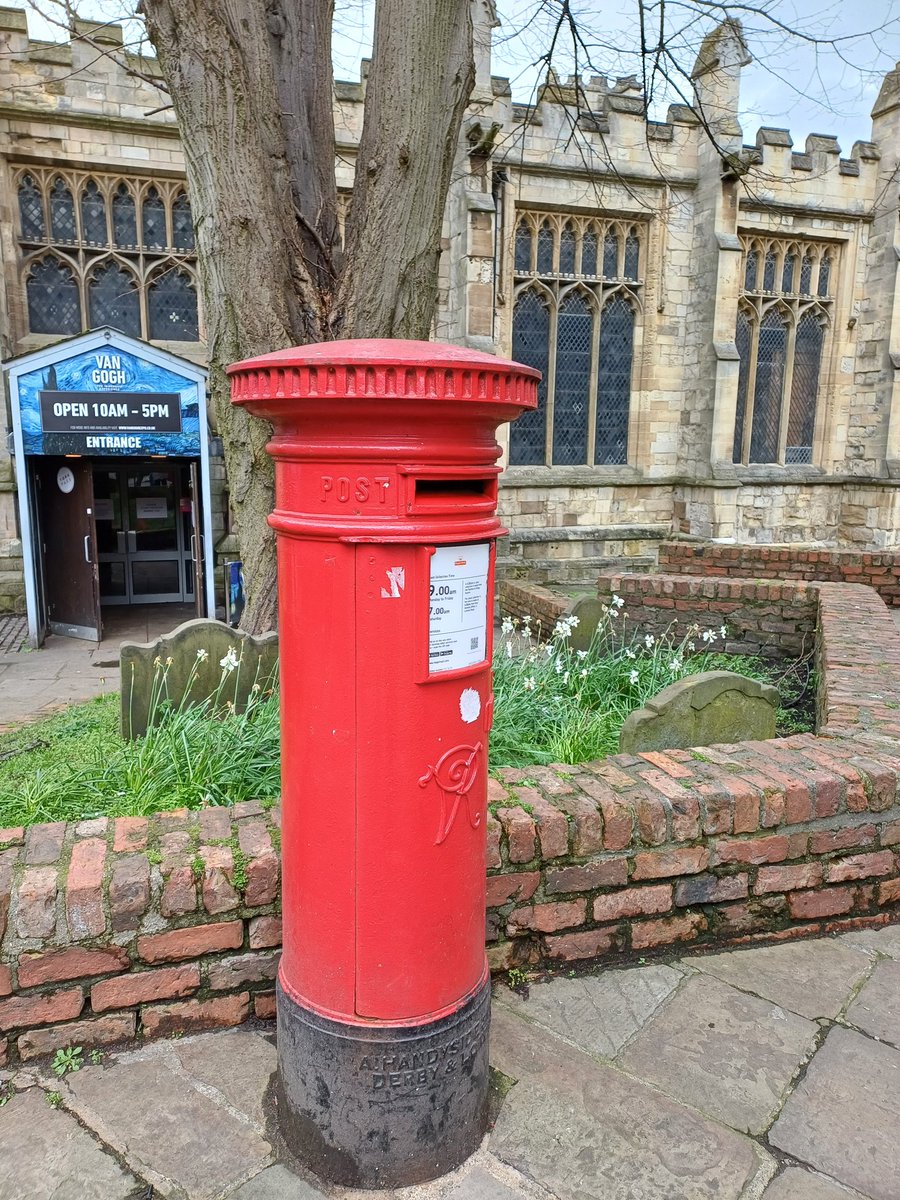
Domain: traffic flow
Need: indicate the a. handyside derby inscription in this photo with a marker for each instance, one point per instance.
(424, 1067)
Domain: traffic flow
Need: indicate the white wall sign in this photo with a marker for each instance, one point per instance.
(152, 508)
(458, 607)
(65, 480)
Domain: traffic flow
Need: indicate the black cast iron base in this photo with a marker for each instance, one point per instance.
(383, 1106)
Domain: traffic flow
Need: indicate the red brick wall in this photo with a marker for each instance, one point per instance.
(773, 620)
(172, 924)
(880, 570)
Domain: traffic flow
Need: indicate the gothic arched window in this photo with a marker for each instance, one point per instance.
(93, 215)
(153, 220)
(614, 381)
(113, 299)
(31, 210)
(62, 213)
(172, 307)
(531, 346)
(571, 393)
(52, 295)
(124, 223)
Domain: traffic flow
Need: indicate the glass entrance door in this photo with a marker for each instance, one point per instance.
(144, 547)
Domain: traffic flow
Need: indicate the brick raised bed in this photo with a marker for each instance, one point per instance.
(171, 924)
(877, 569)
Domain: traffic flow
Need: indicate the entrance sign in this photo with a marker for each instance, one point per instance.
(109, 402)
(458, 607)
(114, 403)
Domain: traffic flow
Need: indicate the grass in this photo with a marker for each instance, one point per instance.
(75, 765)
(552, 704)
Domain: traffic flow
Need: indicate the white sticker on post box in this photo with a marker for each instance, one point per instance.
(458, 607)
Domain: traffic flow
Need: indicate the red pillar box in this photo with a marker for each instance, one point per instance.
(385, 491)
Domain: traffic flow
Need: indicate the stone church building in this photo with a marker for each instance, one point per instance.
(718, 325)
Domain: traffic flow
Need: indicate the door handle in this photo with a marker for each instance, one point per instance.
(87, 548)
(120, 541)
(196, 547)
(132, 541)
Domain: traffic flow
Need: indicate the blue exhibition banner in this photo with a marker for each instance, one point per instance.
(109, 401)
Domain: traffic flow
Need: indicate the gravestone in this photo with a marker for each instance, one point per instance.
(702, 710)
(590, 612)
(188, 665)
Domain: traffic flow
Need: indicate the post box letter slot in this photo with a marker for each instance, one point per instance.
(430, 494)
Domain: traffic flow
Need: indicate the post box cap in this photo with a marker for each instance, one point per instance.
(391, 369)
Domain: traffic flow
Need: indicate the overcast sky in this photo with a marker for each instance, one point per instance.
(793, 82)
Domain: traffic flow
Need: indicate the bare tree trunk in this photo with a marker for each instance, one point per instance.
(421, 78)
(262, 266)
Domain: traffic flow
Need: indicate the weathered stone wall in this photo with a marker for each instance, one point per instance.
(171, 924)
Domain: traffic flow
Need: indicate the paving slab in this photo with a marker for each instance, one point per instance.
(724, 1052)
(479, 1184)
(877, 1007)
(597, 1013)
(844, 1115)
(167, 1129)
(879, 941)
(797, 1184)
(46, 1155)
(812, 978)
(239, 1064)
(584, 1129)
(276, 1183)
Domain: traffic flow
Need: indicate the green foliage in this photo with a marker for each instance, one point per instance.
(96, 1057)
(54, 1099)
(554, 704)
(75, 765)
(69, 1059)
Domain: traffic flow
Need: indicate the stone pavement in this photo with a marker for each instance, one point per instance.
(771, 1073)
(68, 670)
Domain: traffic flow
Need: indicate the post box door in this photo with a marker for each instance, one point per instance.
(421, 781)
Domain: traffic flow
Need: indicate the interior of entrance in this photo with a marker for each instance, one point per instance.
(143, 514)
(115, 534)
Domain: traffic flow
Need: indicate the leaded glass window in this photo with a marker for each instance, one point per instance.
(172, 307)
(780, 338)
(146, 287)
(153, 220)
(52, 295)
(531, 346)
(182, 225)
(611, 255)
(523, 247)
(31, 210)
(62, 213)
(632, 254)
(574, 332)
(579, 333)
(124, 223)
(545, 250)
(93, 215)
(113, 299)
(567, 251)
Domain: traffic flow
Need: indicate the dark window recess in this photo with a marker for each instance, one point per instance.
(531, 346)
(545, 250)
(769, 273)
(52, 294)
(614, 382)
(153, 220)
(824, 275)
(113, 300)
(124, 223)
(93, 216)
(523, 247)
(567, 251)
(742, 339)
(182, 226)
(575, 325)
(806, 275)
(610, 256)
(788, 272)
(589, 254)
(632, 256)
(62, 213)
(750, 271)
(172, 308)
(31, 211)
